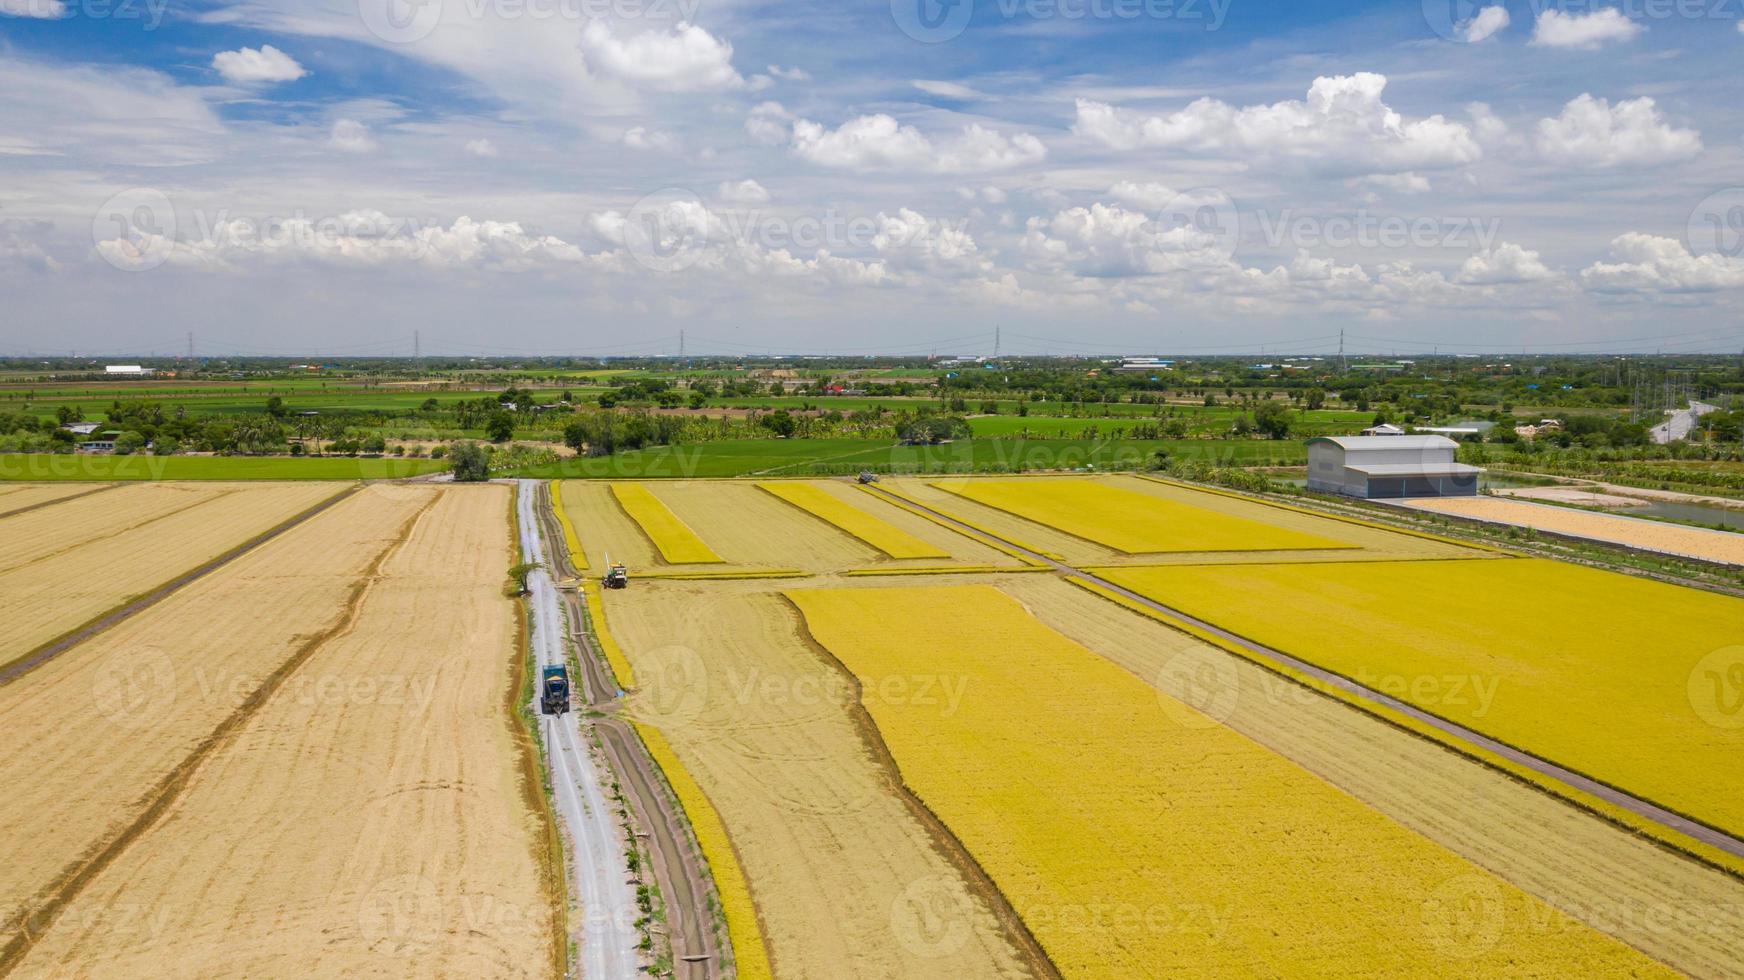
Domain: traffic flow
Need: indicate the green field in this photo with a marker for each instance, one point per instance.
(40, 468)
(804, 457)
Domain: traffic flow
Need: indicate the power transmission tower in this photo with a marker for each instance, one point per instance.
(1342, 366)
(190, 346)
(996, 342)
(417, 350)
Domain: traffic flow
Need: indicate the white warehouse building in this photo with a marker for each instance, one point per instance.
(1377, 467)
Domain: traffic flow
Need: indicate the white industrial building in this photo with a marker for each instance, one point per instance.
(1376, 467)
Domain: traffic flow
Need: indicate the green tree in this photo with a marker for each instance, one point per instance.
(500, 427)
(1272, 419)
(469, 461)
(128, 443)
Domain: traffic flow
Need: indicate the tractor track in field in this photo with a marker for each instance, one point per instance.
(28, 662)
(675, 863)
(46, 907)
(58, 500)
(1643, 808)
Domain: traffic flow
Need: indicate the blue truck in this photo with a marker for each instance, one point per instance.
(553, 691)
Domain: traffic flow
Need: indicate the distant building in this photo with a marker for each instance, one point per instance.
(128, 370)
(1139, 365)
(80, 428)
(1379, 467)
(1384, 429)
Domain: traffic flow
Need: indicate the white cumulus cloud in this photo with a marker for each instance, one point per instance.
(1593, 133)
(1585, 32)
(742, 192)
(1506, 263)
(255, 66)
(1649, 263)
(1342, 126)
(684, 59)
(1487, 24)
(352, 136)
(481, 148)
(879, 142)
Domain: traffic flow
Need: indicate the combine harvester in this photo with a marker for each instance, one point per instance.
(616, 577)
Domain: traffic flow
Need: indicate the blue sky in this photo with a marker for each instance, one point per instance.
(1092, 176)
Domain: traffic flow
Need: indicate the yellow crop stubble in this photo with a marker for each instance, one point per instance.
(678, 544)
(820, 504)
(1129, 521)
(1598, 672)
(1136, 844)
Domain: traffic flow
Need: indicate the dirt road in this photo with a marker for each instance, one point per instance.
(598, 866)
(678, 873)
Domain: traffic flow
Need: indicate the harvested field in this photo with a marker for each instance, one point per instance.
(1570, 859)
(1582, 667)
(152, 689)
(369, 818)
(65, 565)
(677, 543)
(1129, 521)
(1721, 546)
(18, 497)
(850, 519)
(845, 874)
(1135, 845)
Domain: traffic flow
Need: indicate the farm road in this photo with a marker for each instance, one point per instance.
(678, 872)
(597, 861)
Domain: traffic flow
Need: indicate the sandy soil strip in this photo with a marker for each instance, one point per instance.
(48, 597)
(111, 719)
(369, 818)
(845, 877)
(1722, 546)
(1676, 910)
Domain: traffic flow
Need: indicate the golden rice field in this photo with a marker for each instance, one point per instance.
(1133, 845)
(1596, 671)
(1129, 521)
(678, 544)
(837, 512)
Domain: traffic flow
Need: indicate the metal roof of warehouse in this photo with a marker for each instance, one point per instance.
(1388, 442)
(1414, 469)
